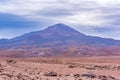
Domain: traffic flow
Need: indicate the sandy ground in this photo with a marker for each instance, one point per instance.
(60, 69)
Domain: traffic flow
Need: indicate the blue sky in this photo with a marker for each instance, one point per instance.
(92, 17)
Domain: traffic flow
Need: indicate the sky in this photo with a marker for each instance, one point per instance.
(91, 17)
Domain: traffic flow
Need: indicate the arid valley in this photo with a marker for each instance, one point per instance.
(84, 68)
(59, 39)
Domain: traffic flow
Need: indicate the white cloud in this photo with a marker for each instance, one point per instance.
(108, 3)
(87, 19)
(92, 13)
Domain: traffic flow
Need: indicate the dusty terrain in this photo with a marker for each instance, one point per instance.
(60, 69)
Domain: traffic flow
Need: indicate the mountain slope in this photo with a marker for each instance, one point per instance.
(3, 41)
(56, 35)
(58, 40)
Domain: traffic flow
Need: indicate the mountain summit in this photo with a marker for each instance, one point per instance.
(59, 28)
(56, 35)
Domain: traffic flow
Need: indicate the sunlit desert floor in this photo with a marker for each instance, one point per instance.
(60, 69)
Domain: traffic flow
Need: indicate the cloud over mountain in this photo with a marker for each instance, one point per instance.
(86, 14)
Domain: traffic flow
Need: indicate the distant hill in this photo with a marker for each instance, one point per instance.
(56, 36)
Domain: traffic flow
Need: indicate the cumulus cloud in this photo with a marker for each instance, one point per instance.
(89, 16)
(87, 11)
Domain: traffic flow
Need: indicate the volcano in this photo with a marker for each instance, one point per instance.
(56, 35)
(58, 39)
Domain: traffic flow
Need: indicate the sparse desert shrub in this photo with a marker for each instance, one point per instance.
(6, 74)
(111, 77)
(53, 74)
(72, 66)
(89, 75)
(90, 68)
(76, 75)
(102, 77)
(118, 67)
(11, 61)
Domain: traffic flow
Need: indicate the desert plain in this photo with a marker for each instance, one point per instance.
(54, 68)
